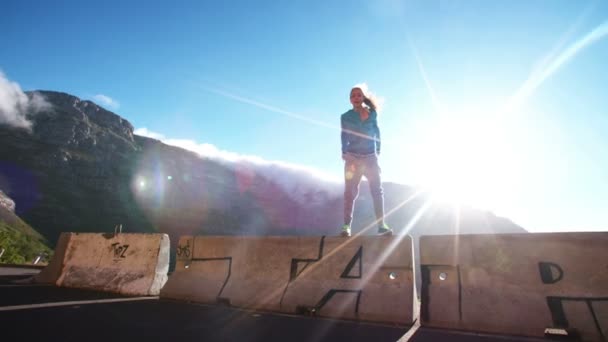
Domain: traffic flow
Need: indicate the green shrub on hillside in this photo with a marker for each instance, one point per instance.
(21, 248)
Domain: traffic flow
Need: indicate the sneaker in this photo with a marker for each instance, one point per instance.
(384, 229)
(345, 232)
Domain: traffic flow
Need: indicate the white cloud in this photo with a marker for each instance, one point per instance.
(106, 101)
(144, 132)
(204, 150)
(15, 104)
(295, 179)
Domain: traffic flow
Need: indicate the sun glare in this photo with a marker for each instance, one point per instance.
(467, 162)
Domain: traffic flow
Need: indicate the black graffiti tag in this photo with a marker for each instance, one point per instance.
(184, 250)
(119, 250)
(550, 273)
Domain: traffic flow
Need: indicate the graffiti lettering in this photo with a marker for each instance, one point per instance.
(546, 272)
(119, 250)
(311, 311)
(551, 273)
(295, 271)
(558, 313)
(356, 260)
(219, 298)
(184, 250)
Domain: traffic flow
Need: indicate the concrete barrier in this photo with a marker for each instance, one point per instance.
(129, 264)
(363, 278)
(517, 284)
(52, 271)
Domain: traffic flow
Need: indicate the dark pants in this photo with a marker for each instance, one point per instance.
(355, 167)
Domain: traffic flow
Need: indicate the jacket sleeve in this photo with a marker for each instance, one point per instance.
(376, 133)
(343, 134)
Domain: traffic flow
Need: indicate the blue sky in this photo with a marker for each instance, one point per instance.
(500, 104)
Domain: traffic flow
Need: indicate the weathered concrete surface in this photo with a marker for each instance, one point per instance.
(363, 278)
(129, 264)
(52, 271)
(518, 284)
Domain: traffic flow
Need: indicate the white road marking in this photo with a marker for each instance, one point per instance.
(79, 302)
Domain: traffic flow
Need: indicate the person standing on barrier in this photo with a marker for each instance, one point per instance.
(360, 149)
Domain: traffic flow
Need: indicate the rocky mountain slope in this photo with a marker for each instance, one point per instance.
(81, 168)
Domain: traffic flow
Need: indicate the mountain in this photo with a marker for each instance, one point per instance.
(81, 168)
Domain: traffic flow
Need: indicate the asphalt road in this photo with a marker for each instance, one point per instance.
(30, 312)
(16, 270)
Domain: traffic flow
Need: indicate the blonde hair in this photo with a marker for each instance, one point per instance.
(370, 99)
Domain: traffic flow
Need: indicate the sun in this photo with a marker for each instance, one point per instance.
(468, 162)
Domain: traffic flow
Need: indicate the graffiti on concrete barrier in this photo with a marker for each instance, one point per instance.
(427, 281)
(356, 260)
(558, 314)
(547, 274)
(184, 251)
(575, 316)
(551, 273)
(119, 250)
(294, 285)
(304, 310)
(295, 270)
(294, 273)
(229, 259)
(347, 273)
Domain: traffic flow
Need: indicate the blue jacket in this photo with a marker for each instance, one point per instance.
(360, 137)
